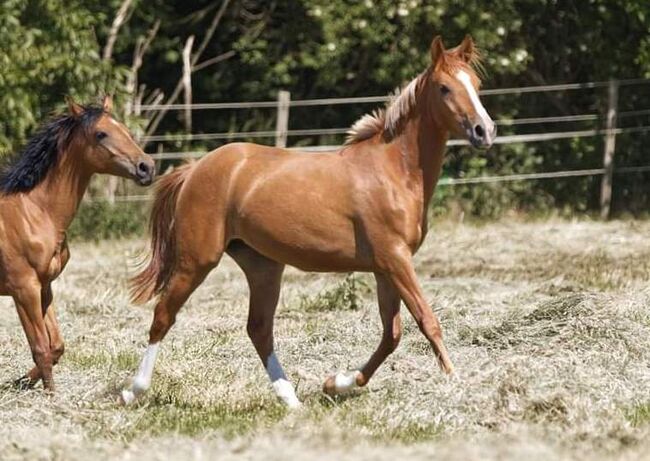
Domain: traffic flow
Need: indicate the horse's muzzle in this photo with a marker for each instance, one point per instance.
(145, 172)
(481, 136)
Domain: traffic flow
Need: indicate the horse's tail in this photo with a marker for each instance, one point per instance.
(160, 267)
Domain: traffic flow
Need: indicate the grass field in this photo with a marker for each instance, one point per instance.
(548, 325)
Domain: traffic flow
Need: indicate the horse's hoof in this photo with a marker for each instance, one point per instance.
(447, 368)
(343, 383)
(329, 387)
(24, 383)
(127, 397)
(285, 392)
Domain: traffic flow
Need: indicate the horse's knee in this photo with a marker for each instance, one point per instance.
(41, 355)
(57, 351)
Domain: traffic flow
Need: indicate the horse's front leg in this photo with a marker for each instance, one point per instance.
(33, 376)
(389, 304)
(401, 273)
(28, 299)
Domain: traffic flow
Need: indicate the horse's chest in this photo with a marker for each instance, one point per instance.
(402, 215)
(58, 261)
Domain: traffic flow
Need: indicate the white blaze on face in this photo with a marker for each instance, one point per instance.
(464, 78)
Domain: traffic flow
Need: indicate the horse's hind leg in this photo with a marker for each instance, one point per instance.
(389, 304)
(181, 285)
(264, 278)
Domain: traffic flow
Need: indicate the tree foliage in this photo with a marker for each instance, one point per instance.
(49, 50)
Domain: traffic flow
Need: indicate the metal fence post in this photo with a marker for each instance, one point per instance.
(282, 121)
(610, 146)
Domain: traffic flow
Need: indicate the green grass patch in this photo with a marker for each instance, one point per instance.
(358, 412)
(639, 415)
(165, 415)
(346, 295)
(123, 360)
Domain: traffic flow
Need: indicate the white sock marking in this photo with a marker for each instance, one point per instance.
(284, 390)
(142, 379)
(466, 80)
(346, 382)
(282, 387)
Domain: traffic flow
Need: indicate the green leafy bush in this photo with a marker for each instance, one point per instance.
(344, 296)
(101, 220)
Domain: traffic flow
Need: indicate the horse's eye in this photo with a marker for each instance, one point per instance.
(100, 135)
(444, 89)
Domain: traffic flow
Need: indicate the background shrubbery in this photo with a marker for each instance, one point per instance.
(101, 220)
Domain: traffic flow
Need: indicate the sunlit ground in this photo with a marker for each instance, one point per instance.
(548, 325)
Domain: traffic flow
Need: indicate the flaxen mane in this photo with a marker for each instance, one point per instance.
(388, 120)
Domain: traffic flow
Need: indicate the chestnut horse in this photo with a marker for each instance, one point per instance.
(362, 208)
(40, 191)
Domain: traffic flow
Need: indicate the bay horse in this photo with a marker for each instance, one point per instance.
(361, 208)
(40, 191)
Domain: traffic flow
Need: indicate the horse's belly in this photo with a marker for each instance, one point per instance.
(306, 242)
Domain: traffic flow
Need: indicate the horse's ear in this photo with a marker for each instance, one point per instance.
(75, 109)
(466, 50)
(437, 50)
(107, 104)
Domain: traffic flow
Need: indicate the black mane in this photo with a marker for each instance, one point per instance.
(23, 172)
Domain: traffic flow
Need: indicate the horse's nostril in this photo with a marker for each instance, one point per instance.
(479, 131)
(143, 167)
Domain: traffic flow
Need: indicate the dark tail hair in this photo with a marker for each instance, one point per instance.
(154, 277)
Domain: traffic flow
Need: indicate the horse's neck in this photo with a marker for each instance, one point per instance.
(62, 190)
(422, 144)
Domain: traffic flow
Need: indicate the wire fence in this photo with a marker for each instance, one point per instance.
(230, 135)
(509, 139)
(384, 98)
(609, 132)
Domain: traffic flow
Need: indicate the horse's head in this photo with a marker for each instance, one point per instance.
(110, 147)
(455, 92)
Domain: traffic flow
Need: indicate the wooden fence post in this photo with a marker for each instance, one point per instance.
(282, 121)
(610, 146)
(187, 82)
